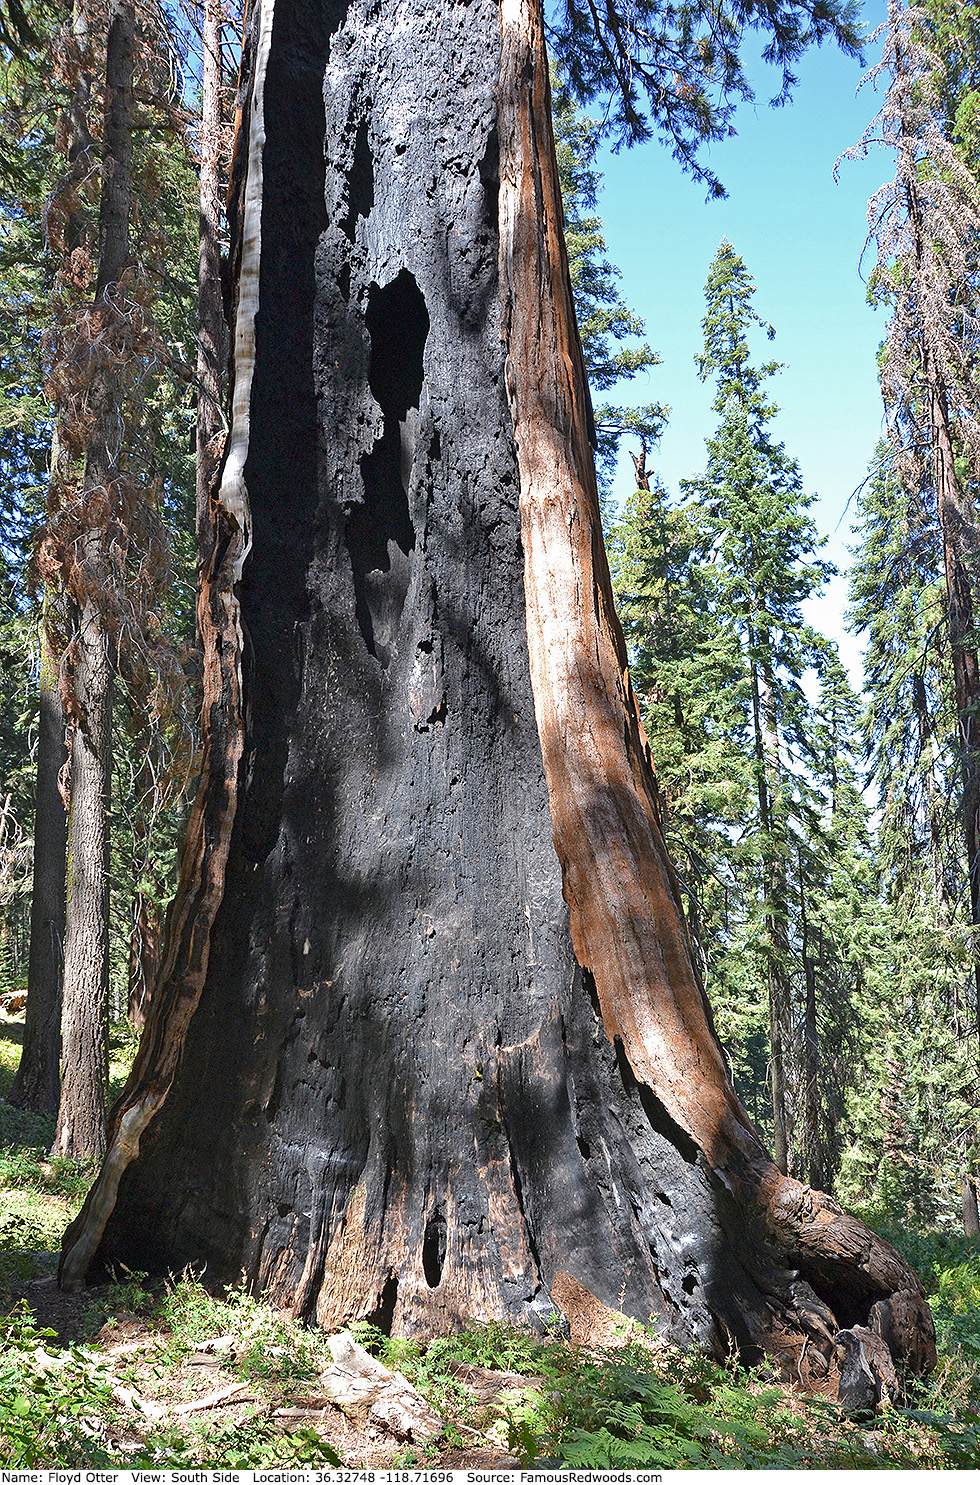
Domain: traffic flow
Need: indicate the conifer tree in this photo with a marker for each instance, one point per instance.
(28, 159)
(686, 666)
(839, 930)
(920, 1117)
(750, 500)
(106, 375)
(925, 225)
(605, 320)
(760, 794)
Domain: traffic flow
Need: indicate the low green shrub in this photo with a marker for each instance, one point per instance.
(270, 1348)
(54, 1406)
(127, 1292)
(254, 1444)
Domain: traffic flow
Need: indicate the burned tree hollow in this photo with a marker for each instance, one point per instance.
(380, 534)
(403, 1095)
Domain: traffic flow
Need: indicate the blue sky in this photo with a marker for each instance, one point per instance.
(801, 235)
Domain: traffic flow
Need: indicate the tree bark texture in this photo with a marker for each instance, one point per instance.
(145, 945)
(450, 1056)
(37, 1084)
(813, 1155)
(961, 553)
(81, 1126)
(969, 1206)
(212, 332)
(768, 771)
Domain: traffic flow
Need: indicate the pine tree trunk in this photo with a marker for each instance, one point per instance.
(37, 1084)
(961, 552)
(81, 1128)
(38, 1081)
(812, 1159)
(428, 1046)
(81, 1125)
(971, 1211)
(212, 348)
(776, 901)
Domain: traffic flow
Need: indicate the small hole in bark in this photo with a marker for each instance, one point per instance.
(661, 1196)
(434, 1248)
(689, 1283)
(584, 1147)
(380, 534)
(436, 718)
(490, 178)
(589, 983)
(383, 1316)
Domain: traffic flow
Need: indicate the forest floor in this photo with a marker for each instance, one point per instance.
(133, 1374)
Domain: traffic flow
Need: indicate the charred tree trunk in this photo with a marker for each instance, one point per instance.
(442, 1052)
(37, 1084)
(81, 1128)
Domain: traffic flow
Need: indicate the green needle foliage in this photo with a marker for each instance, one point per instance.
(763, 808)
(914, 595)
(46, 278)
(606, 323)
(676, 71)
(916, 1124)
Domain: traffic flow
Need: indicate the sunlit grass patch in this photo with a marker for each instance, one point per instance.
(11, 1036)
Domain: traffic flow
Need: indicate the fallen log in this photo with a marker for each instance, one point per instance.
(369, 1393)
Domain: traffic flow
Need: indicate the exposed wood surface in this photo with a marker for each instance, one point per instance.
(238, 1392)
(487, 1384)
(369, 1392)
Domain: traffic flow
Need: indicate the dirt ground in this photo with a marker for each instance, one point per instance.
(203, 1387)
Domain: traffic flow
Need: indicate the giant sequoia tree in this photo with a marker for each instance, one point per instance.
(427, 1044)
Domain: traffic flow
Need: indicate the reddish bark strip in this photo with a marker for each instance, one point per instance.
(627, 922)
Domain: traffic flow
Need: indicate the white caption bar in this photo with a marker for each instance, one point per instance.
(542, 1474)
